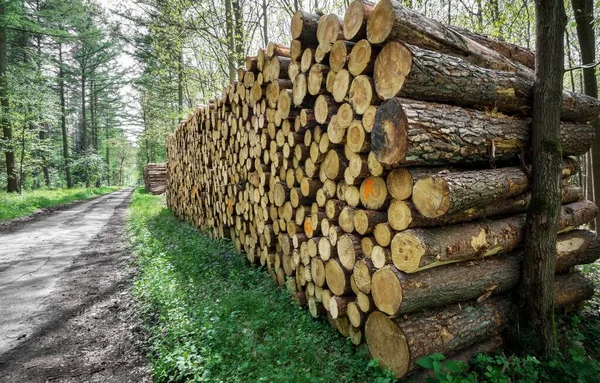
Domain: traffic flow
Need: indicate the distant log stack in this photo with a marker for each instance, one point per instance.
(155, 178)
(378, 169)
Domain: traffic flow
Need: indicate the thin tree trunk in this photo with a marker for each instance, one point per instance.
(84, 141)
(230, 41)
(63, 118)
(584, 18)
(265, 23)
(537, 280)
(12, 186)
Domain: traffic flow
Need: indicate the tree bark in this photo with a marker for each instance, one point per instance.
(409, 132)
(446, 193)
(63, 118)
(391, 21)
(409, 71)
(584, 17)
(12, 186)
(416, 249)
(537, 287)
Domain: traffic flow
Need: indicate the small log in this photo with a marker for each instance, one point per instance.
(365, 221)
(338, 278)
(304, 27)
(362, 94)
(348, 250)
(373, 193)
(340, 52)
(355, 19)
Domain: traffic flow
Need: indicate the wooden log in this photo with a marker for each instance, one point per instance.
(447, 193)
(275, 49)
(316, 79)
(392, 21)
(341, 85)
(414, 132)
(340, 52)
(317, 269)
(373, 193)
(337, 277)
(403, 214)
(513, 52)
(338, 305)
(362, 58)
(329, 30)
(408, 71)
(419, 249)
(349, 250)
(355, 19)
(362, 272)
(325, 108)
(365, 221)
(576, 247)
(362, 94)
(304, 27)
(399, 343)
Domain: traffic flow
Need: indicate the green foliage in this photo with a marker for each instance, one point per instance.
(213, 318)
(88, 168)
(20, 205)
(571, 363)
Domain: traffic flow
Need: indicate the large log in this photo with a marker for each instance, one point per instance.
(403, 214)
(408, 71)
(392, 21)
(410, 132)
(418, 249)
(395, 292)
(304, 27)
(451, 192)
(398, 344)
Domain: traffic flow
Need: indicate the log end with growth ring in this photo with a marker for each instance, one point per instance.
(387, 290)
(353, 19)
(387, 343)
(392, 65)
(389, 135)
(381, 22)
(431, 196)
(407, 251)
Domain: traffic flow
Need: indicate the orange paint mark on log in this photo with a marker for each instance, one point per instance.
(308, 226)
(230, 204)
(369, 190)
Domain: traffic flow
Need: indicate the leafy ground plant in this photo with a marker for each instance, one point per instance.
(210, 317)
(21, 205)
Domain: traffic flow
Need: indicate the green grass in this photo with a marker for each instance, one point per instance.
(211, 317)
(20, 205)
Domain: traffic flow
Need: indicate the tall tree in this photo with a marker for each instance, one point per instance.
(584, 19)
(537, 280)
(12, 185)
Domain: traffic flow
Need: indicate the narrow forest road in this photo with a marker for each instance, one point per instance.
(66, 313)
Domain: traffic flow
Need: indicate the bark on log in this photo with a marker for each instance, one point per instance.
(392, 21)
(419, 249)
(444, 194)
(304, 27)
(414, 132)
(408, 71)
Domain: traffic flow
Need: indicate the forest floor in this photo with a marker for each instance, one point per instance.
(66, 312)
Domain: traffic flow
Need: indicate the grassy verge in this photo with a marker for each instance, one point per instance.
(20, 205)
(212, 318)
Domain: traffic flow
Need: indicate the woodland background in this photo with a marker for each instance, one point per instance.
(91, 88)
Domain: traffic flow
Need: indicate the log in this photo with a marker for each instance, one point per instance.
(338, 278)
(340, 52)
(365, 221)
(392, 21)
(304, 27)
(419, 249)
(398, 343)
(349, 250)
(373, 193)
(403, 214)
(355, 19)
(329, 30)
(362, 58)
(409, 132)
(447, 193)
(408, 71)
(362, 94)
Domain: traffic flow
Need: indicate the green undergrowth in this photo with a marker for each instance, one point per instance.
(15, 205)
(210, 317)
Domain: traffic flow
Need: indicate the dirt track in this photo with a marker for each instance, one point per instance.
(66, 313)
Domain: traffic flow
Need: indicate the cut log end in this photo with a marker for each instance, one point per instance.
(392, 65)
(380, 22)
(431, 196)
(407, 250)
(389, 135)
(387, 343)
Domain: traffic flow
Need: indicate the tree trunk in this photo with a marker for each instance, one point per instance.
(63, 118)
(537, 287)
(84, 135)
(230, 41)
(12, 186)
(584, 17)
(416, 249)
(265, 23)
(409, 71)
(409, 132)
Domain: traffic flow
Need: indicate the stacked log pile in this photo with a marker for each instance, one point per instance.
(377, 167)
(155, 178)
